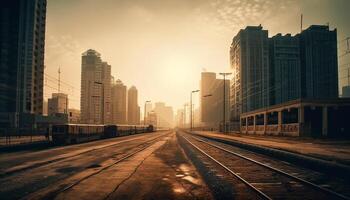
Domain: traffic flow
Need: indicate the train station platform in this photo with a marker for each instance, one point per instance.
(326, 149)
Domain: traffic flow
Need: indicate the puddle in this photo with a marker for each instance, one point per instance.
(178, 189)
(192, 180)
(184, 167)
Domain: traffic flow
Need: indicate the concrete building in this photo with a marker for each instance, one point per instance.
(22, 42)
(73, 116)
(212, 100)
(165, 115)
(119, 103)
(95, 99)
(58, 103)
(319, 62)
(302, 90)
(133, 107)
(284, 69)
(106, 94)
(249, 58)
(179, 118)
(301, 117)
(152, 118)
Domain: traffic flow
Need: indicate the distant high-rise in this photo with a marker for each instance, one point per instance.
(106, 94)
(58, 104)
(133, 107)
(211, 100)
(119, 108)
(165, 115)
(95, 100)
(249, 58)
(22, 42)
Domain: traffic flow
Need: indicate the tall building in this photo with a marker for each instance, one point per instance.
(212, 100)
(106, 93)
(286, 68)
(95, 100)
(133, 107)
(22, 42)
(285, 80)
(319, 62)
(165, 115)
(207, 79)
(119, 109)
(249, 58)
(58, 103)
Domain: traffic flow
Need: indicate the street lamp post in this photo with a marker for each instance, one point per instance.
(224, 100)
(194, 91)
(144, 114)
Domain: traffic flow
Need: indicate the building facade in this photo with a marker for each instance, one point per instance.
(249, 58)
(95, 100)
(133, 108)
(212, 100)
(165, 115)
(284, 69)
(119, 103)
(58, 103)
(22, 42)
(319, 62)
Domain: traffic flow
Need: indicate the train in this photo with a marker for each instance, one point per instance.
(78, 133)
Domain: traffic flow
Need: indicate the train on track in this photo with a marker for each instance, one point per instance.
(77, 133)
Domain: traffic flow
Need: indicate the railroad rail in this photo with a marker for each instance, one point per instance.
(239, 175)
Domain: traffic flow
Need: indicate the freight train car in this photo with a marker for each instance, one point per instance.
(76, 133)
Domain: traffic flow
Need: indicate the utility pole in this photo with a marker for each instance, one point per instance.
(59, 79)
(191, 107)
(224, 101)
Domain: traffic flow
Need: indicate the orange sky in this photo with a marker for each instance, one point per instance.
(161, 46)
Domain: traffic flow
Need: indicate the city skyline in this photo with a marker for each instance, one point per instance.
(156, 37)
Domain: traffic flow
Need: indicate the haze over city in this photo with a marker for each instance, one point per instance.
(162, 46)
(174, 99)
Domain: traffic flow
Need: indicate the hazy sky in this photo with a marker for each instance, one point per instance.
(161, 46)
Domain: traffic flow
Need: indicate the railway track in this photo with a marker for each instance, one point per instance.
(266, 181)
(56, 192)
(64, 157)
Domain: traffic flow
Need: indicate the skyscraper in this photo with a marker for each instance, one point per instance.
(95, 101)
(249, 58)
(119, 108)
(22, 41)
(165, 115)
(319, 62)
(211, 100)
(133, 107)
(284, 69)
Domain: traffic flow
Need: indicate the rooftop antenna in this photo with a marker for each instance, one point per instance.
(301, 22)
(59, 79)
